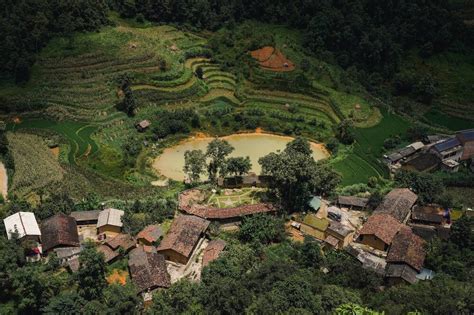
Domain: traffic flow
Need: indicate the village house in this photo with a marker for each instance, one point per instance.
(148, 271)
(449, 149)
(60, 230)
(114, 247)
(405, 258)
(403, 154)
(150, 235)
(143, 125)
(429, 214)
(109, 223)
(379, 230)
(338, 235)
(24, 225)
(425, 162)
(212, 251)
(314, 226)
(86, 217)
(352, 203)
(466, 138)
(398, 203)
(182, 238)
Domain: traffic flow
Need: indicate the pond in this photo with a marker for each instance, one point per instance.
(255, 145)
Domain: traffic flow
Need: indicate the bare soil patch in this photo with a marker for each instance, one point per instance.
(272, 59)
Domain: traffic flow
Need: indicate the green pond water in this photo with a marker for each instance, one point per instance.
(171, 162)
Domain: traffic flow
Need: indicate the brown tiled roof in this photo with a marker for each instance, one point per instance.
(340, 228)
(109, 253)
(352, 201)
(331, 240)
(79, 216)
(189, 203)
(151, 233)
(398, 203)
(59, 230)
(401, 271)
(212, 251)
(382, 225)
(407, 248)
(73, 264)
(148, 270)
(121, 240)
(184, 234)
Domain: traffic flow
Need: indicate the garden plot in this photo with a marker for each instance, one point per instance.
(235, 197)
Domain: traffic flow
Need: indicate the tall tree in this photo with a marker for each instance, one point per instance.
(91, 274)
(239, 165)
(194, 164)
(217, 151)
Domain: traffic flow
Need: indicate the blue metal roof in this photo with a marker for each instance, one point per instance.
(467, 135)
(447, 144)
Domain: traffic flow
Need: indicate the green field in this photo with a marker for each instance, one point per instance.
(364, 160)
(78, 135)
(450, 122)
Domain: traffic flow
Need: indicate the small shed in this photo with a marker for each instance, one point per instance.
(315, 203)
(352, 202)
(212, 251)
(86, 217)
(109, 222)
(143, 125)
(150, 235)
(24, 224)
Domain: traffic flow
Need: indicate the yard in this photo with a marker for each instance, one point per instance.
(229, 198)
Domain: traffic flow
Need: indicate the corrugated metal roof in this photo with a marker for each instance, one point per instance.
(110, 216)
(23, 222)
(417, 145)
(447, 144)
(467, 135)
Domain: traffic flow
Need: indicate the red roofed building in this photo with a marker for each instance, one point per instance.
(398, 203)
(379, 230)
(150, 235)
(406, 256)
(60, 230)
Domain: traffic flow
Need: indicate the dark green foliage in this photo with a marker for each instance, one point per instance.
(151, 211)
(91, 274)
(428, 187)
(417, 132)
(344, 132)
(27, 26)
(128, 103)
(239, 165)
(174, 122)
(64, 303)
(217, 151)
(296, 175)
(262, 229)
(194, 164)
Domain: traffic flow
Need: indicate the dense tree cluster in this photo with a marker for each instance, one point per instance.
(26, 26)
(367, 33)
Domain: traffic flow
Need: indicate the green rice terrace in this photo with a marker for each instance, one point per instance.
(74, 90)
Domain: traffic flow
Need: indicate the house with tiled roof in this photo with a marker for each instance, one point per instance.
(398, 203)
(379, 230)
(109, 222)
(148, 270)
(114, 247)
(86, 217)
(449, 149)
(150, 235)
(60, 230)
(406, 257)
(338, 235)
(184, 235)
(212, 251)
(352, 202)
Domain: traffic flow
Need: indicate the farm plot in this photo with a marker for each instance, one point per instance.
(78, 135)
(35, 164)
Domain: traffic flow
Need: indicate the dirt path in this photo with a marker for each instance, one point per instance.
(3, 181)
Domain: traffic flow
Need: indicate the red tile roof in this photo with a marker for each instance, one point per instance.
(189, 203)
(59, 230)
(148, 270)
(407, 248)
(109, 253)
(212, 251)
(184, 234)
(151, 233)
(121, 240)
(383, 226)
(398, 203)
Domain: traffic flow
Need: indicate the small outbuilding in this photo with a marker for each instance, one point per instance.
(86, 217)
(109, 223)
(60, 230)
(143, 125)
(352, 202)
(341, 233)
(24, 225)
(150, 235)
(114, 247)
(212, 251)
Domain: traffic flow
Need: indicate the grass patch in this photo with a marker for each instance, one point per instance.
(450, 122)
